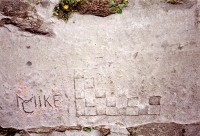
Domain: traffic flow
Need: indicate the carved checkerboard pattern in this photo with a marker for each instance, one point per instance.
(92, 101)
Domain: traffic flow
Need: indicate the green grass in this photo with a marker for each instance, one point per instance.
(117, 8)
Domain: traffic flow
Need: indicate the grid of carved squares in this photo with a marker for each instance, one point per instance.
(91, 101)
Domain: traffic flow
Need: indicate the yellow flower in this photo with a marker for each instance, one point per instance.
(78, 0)
(66, 7)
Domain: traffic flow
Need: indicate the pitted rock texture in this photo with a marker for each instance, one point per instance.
(97, 7)
(165, 129)
(22, 15)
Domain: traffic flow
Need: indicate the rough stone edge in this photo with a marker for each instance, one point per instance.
(102, 129)
(133, 131)
(48, 130)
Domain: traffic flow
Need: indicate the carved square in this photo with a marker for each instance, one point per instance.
(112, 111)
(132, 111)
(89, 97)
(122, 111)
(80, 94)
(133, 101)
(121, 101)
(111, 101)
(80, 107)
(79, 73)
(98, 80)
(89, 83)
(144, 110)
(143, 99)
(80, 103)
(90, 111)
(100, 93)
(79, 84)
(154, 100)
(101, 111)
(100, 102)
(80, 112)
(154, 109)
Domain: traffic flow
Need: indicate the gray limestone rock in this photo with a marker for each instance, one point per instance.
(138, 70)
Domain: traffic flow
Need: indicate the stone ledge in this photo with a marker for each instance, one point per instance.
(167, 129)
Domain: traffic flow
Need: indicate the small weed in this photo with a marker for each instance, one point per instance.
(64, 9)
(88, 129)
(118, 8)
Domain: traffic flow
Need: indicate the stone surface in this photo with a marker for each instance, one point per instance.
(123, 70)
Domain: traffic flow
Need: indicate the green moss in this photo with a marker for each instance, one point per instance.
(88, 129)
(8, 131)
(117, 8)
